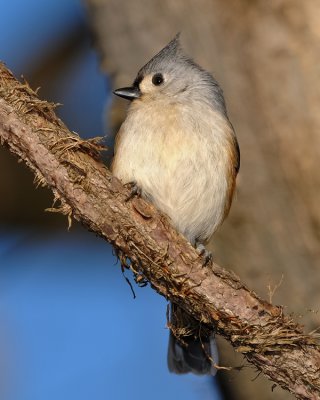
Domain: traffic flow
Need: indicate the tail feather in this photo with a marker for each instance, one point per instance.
(191, 348)
(193, 356)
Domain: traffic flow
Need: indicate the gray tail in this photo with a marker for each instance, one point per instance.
(193, 356)
(190, 353)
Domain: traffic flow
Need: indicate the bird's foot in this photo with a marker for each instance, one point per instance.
(203, 252)
(135, 190)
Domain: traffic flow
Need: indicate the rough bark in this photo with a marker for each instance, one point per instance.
(274, 343)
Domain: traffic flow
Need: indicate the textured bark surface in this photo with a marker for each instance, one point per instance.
(266, 56)
(87, 192)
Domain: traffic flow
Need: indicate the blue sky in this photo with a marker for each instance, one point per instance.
(72, 329)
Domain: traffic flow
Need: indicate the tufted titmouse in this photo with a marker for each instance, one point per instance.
(179, 148)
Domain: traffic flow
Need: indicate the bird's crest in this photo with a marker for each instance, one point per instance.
(169, 54)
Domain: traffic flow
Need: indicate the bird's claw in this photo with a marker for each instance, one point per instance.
(203, 252)
(135, 190)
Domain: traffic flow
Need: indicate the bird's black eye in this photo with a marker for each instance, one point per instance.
(157, 79)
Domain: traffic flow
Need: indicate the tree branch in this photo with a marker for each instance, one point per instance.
(88, 192)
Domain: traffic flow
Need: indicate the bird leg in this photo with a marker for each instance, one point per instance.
(135, 190)
(203, 252)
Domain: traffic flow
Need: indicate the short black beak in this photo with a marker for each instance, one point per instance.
(129, 93)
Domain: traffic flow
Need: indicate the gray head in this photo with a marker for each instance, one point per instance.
(172, 74)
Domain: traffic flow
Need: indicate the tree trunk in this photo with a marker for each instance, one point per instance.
(266, 56)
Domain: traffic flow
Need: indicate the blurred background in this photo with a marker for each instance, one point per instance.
(69, 325)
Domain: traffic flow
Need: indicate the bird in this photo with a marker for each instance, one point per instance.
(178, 149)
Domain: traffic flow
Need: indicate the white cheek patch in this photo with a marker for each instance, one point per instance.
(146, 85)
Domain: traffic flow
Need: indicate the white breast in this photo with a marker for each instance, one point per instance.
(181, 163)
